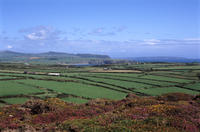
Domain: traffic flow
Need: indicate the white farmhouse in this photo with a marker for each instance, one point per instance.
(54, 74)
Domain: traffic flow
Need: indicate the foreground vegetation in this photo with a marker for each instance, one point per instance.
(175, 112)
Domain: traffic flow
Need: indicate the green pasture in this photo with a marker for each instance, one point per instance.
(140, 80)
(6, 77)
(92, 81)
(163, 78)
(77, 89)
(75, 100)
(15, 100)
(194, 86)
(13, 88)
(163, 90)
(82, 85)
(125, 84)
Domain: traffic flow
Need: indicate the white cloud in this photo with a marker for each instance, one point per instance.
(41, 33)
(151, 41)
(9, 47)
(101, 31)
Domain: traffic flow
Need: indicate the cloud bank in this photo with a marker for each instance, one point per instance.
(44, 38)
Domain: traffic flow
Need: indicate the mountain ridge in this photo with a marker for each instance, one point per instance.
(49, 57)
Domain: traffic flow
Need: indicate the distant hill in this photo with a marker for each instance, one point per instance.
(50, 57)
(163, 59)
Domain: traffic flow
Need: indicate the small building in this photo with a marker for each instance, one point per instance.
(54, 74)
(107, 68)
(27, 72)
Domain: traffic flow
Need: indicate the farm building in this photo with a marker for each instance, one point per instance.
(107, 68)
(54, 74)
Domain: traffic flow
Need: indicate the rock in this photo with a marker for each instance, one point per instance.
(73, 128)
(37, 106)
(197, 97)
(131, 96)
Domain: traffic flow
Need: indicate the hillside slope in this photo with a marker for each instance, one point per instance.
(175, 112)
(49, 57)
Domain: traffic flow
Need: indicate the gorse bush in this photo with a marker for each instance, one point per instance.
(171, 112)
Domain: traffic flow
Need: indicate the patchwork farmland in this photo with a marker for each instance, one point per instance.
(19, 83)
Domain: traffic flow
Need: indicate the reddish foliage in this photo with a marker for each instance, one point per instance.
(132, 113)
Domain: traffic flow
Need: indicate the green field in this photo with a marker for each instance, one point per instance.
(6, 77)
(164, 90)
(15, 100)
(194, 86)
(81, 84)
(76, 89)
(12, 88)
(75, 100)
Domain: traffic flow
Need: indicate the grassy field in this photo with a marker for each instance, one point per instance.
(164, 90)
(75, 100)
(76, 89)
(12, 88)
(15, 100)
(194, 86)
(6, 77)
(81, 84)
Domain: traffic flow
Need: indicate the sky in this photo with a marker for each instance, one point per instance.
(118, 28)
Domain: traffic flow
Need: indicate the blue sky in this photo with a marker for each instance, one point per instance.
(119, 28)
